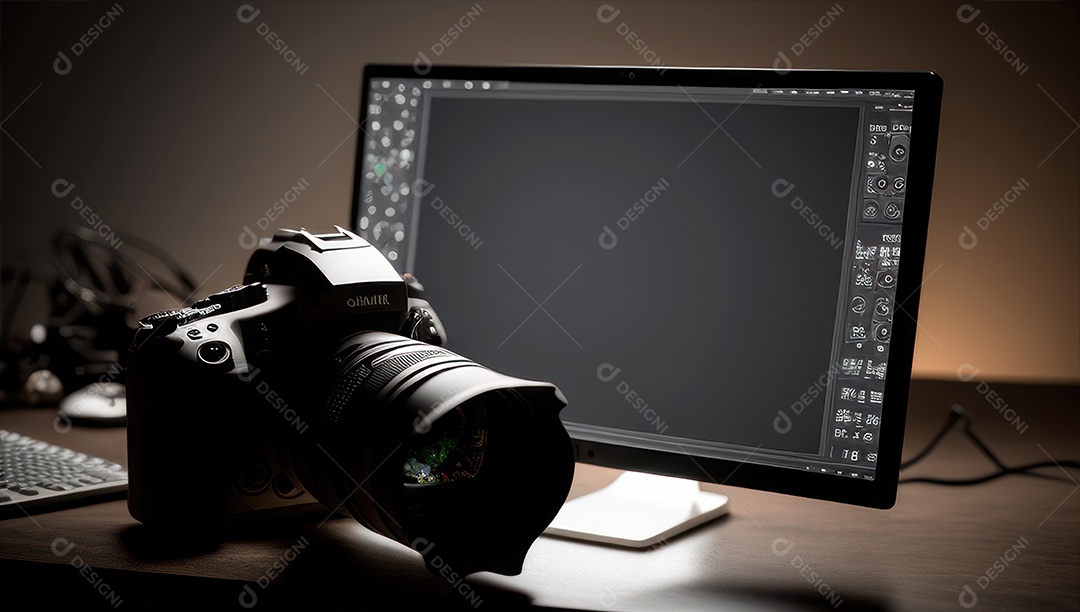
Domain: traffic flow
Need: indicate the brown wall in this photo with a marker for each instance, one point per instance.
(181, 124)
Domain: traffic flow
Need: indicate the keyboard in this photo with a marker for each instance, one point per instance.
(37, 476)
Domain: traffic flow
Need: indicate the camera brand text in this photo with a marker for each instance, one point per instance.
(361, 301)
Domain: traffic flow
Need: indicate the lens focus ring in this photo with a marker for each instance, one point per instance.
(369, 370)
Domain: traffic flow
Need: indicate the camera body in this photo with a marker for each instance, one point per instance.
(315, 382)
(208, 404)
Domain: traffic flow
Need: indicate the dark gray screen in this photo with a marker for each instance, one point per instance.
(717, 303)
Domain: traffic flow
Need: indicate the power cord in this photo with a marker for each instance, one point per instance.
(957, 414)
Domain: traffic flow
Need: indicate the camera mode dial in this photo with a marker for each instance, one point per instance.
(237, 297)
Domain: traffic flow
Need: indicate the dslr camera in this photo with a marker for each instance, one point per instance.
(321, 379)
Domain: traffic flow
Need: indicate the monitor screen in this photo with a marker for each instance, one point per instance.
(708, 263)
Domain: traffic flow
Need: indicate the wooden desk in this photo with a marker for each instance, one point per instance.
(918, 556)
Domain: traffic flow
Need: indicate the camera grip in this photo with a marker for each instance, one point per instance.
(177, 434)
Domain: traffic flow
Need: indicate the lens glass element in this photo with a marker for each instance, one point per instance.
(453, 450)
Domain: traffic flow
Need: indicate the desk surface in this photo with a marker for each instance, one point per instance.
(1014, 542)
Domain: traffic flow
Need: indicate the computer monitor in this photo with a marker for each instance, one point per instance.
(706, 261)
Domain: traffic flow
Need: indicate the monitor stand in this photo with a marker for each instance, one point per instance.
(638, 510)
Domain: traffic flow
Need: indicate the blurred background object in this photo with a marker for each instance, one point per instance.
(92, 290)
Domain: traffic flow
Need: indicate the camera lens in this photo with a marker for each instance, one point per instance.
(435, 451)
(452, 452)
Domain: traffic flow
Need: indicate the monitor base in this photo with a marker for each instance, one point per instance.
(638, 511)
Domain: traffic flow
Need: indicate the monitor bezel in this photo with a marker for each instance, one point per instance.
(928, 87)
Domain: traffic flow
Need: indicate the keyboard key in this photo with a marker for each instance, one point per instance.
(58, 486)
(35, 474)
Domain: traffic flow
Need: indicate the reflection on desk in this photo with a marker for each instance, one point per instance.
(1008, 544)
